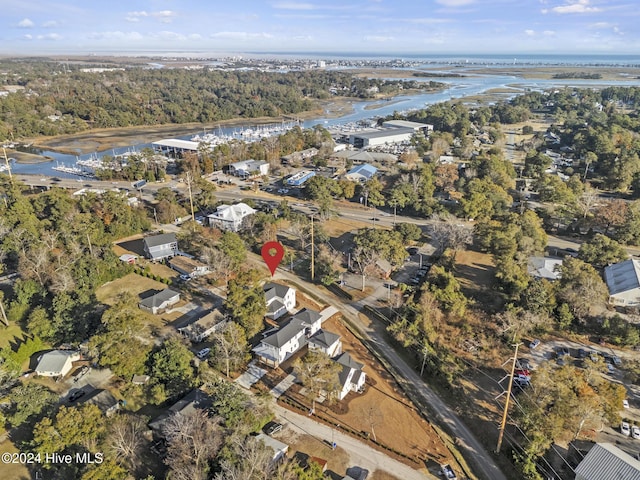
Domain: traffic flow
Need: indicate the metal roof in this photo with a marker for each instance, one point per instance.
(623, 276)
(607, 462)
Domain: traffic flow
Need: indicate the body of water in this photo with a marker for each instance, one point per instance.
(458, 87)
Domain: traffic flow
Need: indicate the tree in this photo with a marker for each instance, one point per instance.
(580, 281)
(231, 347)
(28, 401)
(449, 233)
(125, 438)
(193, 441)
(250, 459)
(245, 301)
(317, 373)
(601, 251)
(171, 366)
(409, 232)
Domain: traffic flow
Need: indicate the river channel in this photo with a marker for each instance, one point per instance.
(458, 87)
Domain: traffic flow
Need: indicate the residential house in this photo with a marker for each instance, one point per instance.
(195, 400)
(280, 299)
(188, 266)
(278, 346)
(160, 301)
(544, 267)
(56, 363)
(361, 173)
(160, 247)
(352, 377)
(606, 461)
(230, 217)
(384, 267)
(204, 326)
(279, 449)
(249, 168)
(623, 281)
(103, 399)
(326, 342)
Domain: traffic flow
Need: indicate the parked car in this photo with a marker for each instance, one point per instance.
(81, 373)
(413, 250)
(625, 403)
(625, 429)
(561, 361)
(448, 472)
(611, 369)
(563, 351)
(635, 432)
(272, 427)
(524, 364)
(76, 395)
(582, 353)
(534, 344)
(204, 353)
(616, 361)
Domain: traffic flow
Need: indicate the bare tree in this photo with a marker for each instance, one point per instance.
(317, 373)
(587, 201)
(126, 438)
(193, 440)
(364, 259)
(250, 460)
(219, 263)
(230, 346)
(372, 416)
(448, 232)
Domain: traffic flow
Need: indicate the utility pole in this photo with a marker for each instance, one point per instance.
(506, 403)
(6, 160)
(189, 180)
(4, 315)
(313, 275)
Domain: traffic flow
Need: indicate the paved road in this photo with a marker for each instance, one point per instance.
(482, 460)
(360, 454)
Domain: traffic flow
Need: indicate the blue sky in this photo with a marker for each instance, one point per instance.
(359, 26)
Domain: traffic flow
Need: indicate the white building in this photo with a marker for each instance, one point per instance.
(249, 168)
(606, 461)
(544, 267)
(160, 301)
(287, 340)
(280, 299)
(623, 281)
(352, 377)
(380, 137)
(56, 363)
(230, 217)
(204, 326)
(416, 126)
(326, 342)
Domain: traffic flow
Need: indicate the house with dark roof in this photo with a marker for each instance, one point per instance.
(351, 376)
(103, 399)
(201, 328)
(281, 344)
(280, 299)
(623, 282)
(160, 247)
(326, 342)
(606, 461)
(195, 400)
(160, 301)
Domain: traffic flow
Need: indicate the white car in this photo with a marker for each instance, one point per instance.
(534, 343)
(204, 353)
(625, 403)
(635, 432)
(625, 429)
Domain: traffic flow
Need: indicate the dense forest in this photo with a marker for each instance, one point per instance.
(57, 101)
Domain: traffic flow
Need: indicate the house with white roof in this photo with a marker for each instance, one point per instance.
(351, 377)
(201, 328)
(606, 461)
(56, 363)
(280, 299)
(249, 168)
(230, 217)
(544, 267)
(623, 282)
(361, 173)
(281, 344)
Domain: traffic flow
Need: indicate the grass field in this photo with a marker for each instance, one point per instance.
(132, 283)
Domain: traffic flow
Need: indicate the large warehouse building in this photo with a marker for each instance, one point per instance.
(380, 137)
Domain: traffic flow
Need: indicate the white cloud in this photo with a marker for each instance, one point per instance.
(378, 38)
(28, 36)
(135, 16)
(600, 25)
(116, 35)
(26, 23)
(49, 36)
(455, 3)
(165, 16)
(50, 24)
(293, 6)
(241, 35)
(530, 32)
(576, 6)
(549, 33)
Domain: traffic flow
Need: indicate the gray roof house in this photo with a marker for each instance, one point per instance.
(325, 342)
(278, 346)
(56, 363)
(606, 461)
(279, 449)
(230, 217)
(103, 399)
(195, 400)
(200, 329)
(544, 267)
(352, 377)
(280, 299)
(623, 281)
(160, 301)
(159, 247)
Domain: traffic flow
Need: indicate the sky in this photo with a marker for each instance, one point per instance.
(386, 27)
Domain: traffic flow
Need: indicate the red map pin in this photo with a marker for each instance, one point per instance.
(272, 252)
